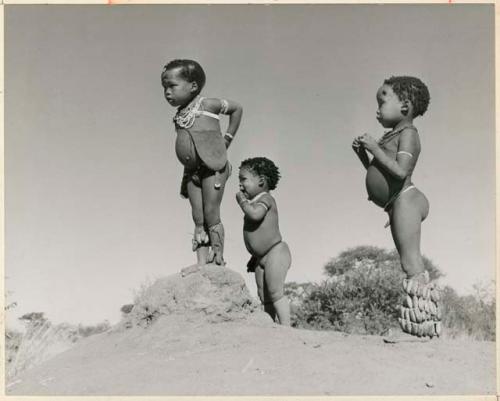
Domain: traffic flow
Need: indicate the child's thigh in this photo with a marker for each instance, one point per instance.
(407, 214)
(276, 265)
(212, 195)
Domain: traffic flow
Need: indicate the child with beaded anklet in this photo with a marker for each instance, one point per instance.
(389, 185)
(201, 148)
(271, 257)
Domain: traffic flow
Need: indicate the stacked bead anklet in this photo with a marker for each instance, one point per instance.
(421, 312)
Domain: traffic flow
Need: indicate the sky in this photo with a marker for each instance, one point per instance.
(92, 205)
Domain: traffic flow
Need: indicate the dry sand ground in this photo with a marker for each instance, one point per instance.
(256, 357)
(201, 333)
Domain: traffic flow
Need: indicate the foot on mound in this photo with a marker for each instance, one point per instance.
(395, 338)
(216, 234)
(190, 270)
(421, 312)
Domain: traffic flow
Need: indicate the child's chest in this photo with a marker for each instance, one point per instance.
(390, 147)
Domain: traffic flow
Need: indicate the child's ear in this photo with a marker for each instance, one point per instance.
(194, 87)
(405, 108)
(262, 181)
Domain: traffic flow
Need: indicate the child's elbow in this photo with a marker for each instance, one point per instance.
(255, 216)
(402, 174)
(238, 108)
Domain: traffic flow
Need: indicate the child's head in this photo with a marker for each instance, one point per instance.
(258, 174)
(401, 97)
(182, 80)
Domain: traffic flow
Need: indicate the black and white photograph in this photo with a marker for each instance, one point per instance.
(249, 200)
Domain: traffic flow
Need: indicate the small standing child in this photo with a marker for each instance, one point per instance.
(201, 148)
(389, 185)
(271, 257)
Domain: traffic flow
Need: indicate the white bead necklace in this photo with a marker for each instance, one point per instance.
(185, 117)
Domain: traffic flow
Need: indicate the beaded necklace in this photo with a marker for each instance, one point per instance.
(185, 117)
(391, 134)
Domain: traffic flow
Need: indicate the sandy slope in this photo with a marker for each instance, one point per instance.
(256, 357)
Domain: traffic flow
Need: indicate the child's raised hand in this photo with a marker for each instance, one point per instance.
(368, 142)
(356, 145)
(240, 197)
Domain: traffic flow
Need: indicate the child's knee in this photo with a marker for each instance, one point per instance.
(198, 218)
(275, 294)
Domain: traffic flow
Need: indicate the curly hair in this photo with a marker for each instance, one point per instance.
(263, 167)
(411, 89)
(190, 70)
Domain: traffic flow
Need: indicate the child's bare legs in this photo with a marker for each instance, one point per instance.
(406, 216)
(420, 311)
(270, 277)
(262, 292)
(212, 199)
(200, 235)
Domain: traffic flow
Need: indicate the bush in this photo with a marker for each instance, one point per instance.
(471, 315)
(362, 293)
(360, 296)
(41, 341)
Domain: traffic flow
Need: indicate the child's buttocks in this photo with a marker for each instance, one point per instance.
(185, 149)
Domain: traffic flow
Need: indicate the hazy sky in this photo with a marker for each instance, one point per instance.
(92, 182)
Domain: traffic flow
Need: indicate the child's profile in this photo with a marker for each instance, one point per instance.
(271, 256)
(201, 148)
(389, 185)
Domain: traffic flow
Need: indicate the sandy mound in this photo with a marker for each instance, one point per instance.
(211, 293)
(203, 334)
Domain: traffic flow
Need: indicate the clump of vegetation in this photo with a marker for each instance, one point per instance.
(41, 340)
(363, 290)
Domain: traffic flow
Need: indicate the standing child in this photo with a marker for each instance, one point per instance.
(201, 148)
(271, 257)
(388, 182)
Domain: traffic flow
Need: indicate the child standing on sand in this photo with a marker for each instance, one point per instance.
(271, 257)
(201, 148)
(389, 185)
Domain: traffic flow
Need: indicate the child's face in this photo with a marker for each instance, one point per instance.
(178, 91)
(250, 183)
(389, 107)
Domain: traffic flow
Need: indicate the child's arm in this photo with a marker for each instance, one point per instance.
(361, 152)
(254, 211)
(406, 157)
(233, 109)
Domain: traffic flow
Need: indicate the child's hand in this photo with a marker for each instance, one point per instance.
(240, 197)
(356, 145)
(368, 142)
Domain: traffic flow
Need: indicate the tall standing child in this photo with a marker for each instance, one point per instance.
(388, 181)
(271, 257)
(201, 148)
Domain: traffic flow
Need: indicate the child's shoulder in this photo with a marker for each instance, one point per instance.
(409, 132)
(210, 103)
(268, 199)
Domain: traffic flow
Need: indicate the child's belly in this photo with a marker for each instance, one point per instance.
(378, 185)
(259, 243)
(185, 149)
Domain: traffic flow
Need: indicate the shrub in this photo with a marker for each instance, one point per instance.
(42, 340)
(362, 293)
